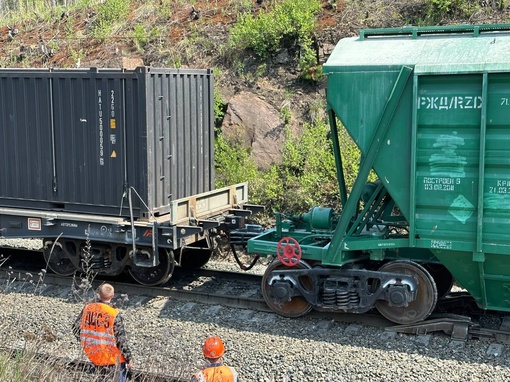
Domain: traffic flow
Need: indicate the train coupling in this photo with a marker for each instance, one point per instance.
(241, 236)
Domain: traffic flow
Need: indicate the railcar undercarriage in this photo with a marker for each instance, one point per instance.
(393, 290)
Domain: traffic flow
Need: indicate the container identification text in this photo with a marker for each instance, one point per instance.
(101, 127)
(440, 184)
(450, 102)
(502, 187)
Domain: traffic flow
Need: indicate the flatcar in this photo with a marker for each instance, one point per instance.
(429, 110)
(113, 169)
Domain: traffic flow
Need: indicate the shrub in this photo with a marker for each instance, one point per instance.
(109, 13)
(439, 9)
(233, 161)
(220, 108)
(285, 114)
(308, 169)
(288, 24)
(140, 36)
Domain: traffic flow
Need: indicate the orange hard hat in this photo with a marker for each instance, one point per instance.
(213, 347)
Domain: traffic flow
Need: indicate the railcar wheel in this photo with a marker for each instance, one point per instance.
(157, 275)
(297, 306)
(57, 261)
(442, 277)
(194, 257)
(426, 295)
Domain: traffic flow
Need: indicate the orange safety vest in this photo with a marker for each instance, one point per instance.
(217, 374)
(97, 336)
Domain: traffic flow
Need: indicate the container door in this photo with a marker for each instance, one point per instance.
(88, 118)
(180, 124)
(26, 138)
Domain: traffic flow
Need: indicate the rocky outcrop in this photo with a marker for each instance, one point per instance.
(258, 124)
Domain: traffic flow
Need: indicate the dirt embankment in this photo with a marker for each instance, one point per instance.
(186, 35)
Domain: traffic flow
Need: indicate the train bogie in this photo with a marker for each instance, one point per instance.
(428, 109)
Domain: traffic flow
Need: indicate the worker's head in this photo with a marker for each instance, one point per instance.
(213, 348)
(105, 292)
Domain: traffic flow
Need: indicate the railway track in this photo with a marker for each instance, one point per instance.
(456, 315)
(242, 291)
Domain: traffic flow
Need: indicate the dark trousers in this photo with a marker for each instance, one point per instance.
(110, 373)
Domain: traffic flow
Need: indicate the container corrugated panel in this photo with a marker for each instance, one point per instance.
(26, 145)
(183, 156)
(445, 157)
(462, 183)
(78, 139)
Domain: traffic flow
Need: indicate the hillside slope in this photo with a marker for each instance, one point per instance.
(172, 33)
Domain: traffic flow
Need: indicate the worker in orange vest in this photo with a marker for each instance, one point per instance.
(100, 329)
(215, 371)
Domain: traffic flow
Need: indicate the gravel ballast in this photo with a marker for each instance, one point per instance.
(166, 335)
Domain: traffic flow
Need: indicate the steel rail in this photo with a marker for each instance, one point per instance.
(460, 327)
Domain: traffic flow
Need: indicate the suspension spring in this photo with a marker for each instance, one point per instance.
(342, 298)
(329, 296)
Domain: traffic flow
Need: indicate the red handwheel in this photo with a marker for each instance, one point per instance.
(288, 251)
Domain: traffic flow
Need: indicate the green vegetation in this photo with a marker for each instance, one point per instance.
(232, 161)
(110, 12)
(305, 178)
(437, 10)
(285, 114)
(308, 170)
(220, 108)
(140, 36)
(287, 24)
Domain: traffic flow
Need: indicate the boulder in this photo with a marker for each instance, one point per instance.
(259, 126)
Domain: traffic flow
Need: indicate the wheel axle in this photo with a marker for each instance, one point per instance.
(399, 295)
(281, 290)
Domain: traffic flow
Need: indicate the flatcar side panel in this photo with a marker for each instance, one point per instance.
(26, 137)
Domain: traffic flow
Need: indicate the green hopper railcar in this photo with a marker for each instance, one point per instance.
(429, 109)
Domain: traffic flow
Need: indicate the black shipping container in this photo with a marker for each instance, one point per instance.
(82, 140)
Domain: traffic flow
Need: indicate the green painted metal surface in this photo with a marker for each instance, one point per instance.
(445, 154)
(429, 109)
(454, 52)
